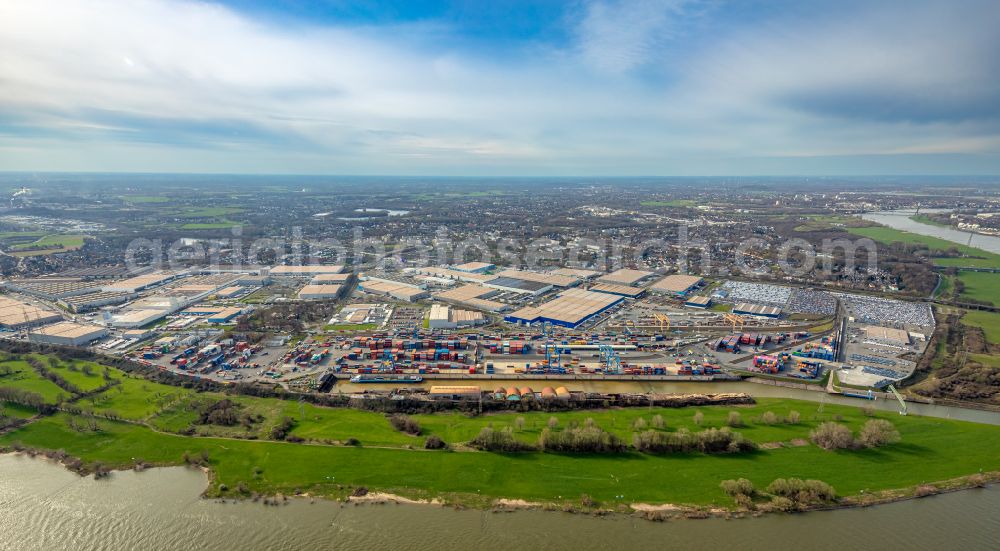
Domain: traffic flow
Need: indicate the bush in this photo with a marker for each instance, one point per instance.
(878, 432)
(501, 440)
(281, 430)
(769, 418)
(698, 418)
(658, 422)
(832, 436)
(734, 419)
(352, 442)
(434, 442)
(802, 491)
(683, 441)
(738, 487)
(404, 423)
(581, 440)
(793, 418)
(553, 422)
(639, 423)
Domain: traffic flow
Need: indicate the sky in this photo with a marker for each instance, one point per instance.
(500, 87)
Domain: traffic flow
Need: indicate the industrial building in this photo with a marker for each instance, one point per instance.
(320, 291)
(340, 279)
(474, 267)
(698, 302)
(52, 289)
(399, 291)
(15, 314)
(139, 283)
(91, 301)
(571, 308)
(621, 290)
(448, 273)
(625, 276)
(304, 271)
(455, 393)
(555, 280)
(67, 333)
(678, 285)
(886, 335)
(445, 317)
(474, 296)
(225, 316)
(522, 286)
(230, 292)
(137, 318)
(748, 309)
(577, 273)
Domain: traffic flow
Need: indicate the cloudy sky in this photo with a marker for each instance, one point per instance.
(501, 87)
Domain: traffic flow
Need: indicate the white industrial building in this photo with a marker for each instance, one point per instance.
(67, 333)
(445, 317)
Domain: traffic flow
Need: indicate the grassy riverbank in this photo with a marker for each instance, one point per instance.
(243, 460)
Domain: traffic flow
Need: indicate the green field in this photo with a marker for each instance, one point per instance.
(208, 212)
(46, 244)
(931, 450)
(209, 225)
(982, 286)
(670, 203)
(145, 199)
(924, 219)
(989, 322)
(156, 419)
(350, 327)
(981, 258)
(22, 376)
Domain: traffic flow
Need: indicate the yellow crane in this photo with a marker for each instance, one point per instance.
(663, 321)
(736, 321)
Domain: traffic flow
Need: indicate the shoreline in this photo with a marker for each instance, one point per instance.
(656, 512)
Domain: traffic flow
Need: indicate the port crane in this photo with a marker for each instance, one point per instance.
(736, 320)
(610, 359)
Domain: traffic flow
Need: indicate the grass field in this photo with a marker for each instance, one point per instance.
(47, 244)
(145, 199)
(984, 286)
(981, 258)
(350, 327)
(22, 376)
(388, 460)
(989, 322)
(924, 219)
(209, 225)
(931, 450)
(671, 203)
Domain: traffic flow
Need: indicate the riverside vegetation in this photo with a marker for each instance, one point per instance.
(98, 418)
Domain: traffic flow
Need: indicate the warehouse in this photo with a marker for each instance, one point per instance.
(698, 302)
(445, 317)
(139, 283)
(571, 308)
(678, 285)
(886, 335)
(399, 291)
(522, 286)
(749, 309)
(84, 303)
(225, 316)
(625, 276)
(621, 290)
(474, 296)
(67, 333)
(455, 393)
(230, 292)
(319, 292)
(304, 271)
(15, 314)
(474, 267)
(448, 273)
(137, 318)
(340, 279)
(554, 280)
(577, 273)
(52, 289)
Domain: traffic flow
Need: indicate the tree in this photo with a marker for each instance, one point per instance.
(793, 417)
(519, 423)
(553, 422)
(639, 423)
(734, 419)
(878, 432)
(658, 422)
(832, 436)
(698, 418)
(769, 418)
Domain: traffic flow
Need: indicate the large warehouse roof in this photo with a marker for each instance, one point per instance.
(677, 283)
(68, 329)
(625, 276)
(548, 279)
(756, 309)
(14, 313)
(571, 307)
(623, 290)
(312, 269)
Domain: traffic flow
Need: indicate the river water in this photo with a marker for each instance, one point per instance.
(900, 220)
(43, 506)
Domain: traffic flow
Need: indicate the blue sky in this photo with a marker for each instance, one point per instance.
(588, 87)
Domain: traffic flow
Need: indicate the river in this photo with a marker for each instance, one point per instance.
(43, 506)
(900, 220)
